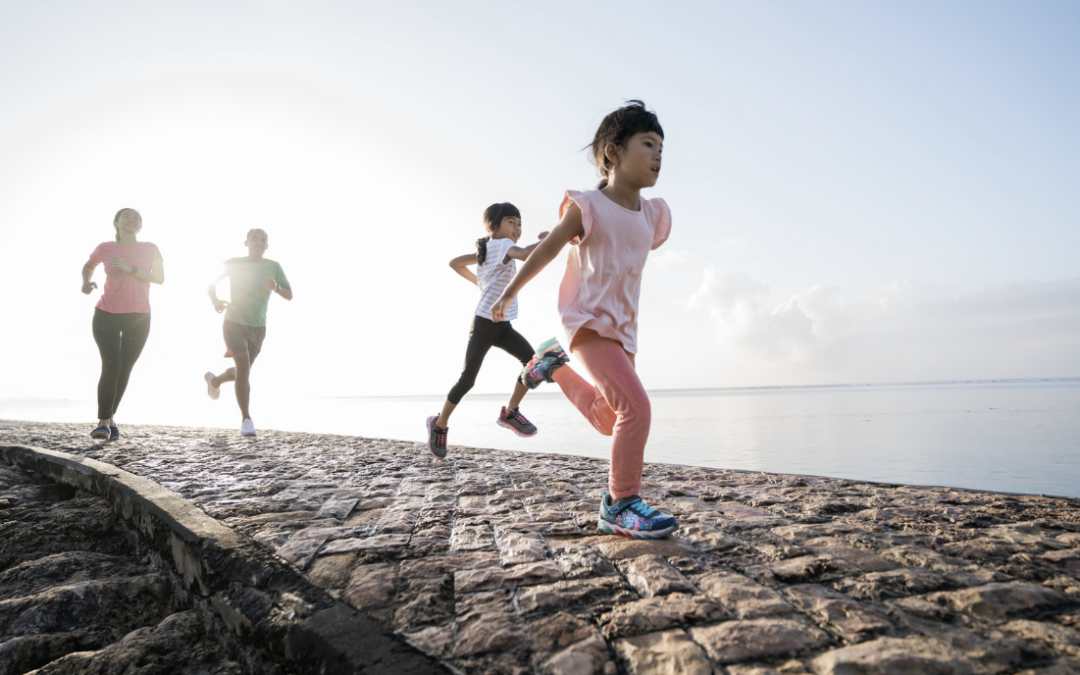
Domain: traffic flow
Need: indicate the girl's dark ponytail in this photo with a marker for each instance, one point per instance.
(481, 250)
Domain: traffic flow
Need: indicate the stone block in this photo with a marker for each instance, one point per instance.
(758, 639)
(666, 653)
(705, 537)
(490, 578)
(486, 622)
(577, 564)
(471, 537)
(579, 593)
(332, 571)
(804, 532)
(438, 565)
(851, 621)
(588, 657)
(423, 602)
(371, 586)
(558, 631)
(899, 583)
(650, 575)
(620, 548)
(745, 598)
(998, 602)
(517, 547)
(865, 561)
(661, 613)
(378, 542)
(892, 656)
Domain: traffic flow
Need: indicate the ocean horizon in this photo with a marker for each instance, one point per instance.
(1008, 435)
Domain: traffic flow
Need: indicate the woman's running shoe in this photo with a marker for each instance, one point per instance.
(114, 433)
(549, 356)
(247, 427)
(632, 517)
(100, 434)
(436, 437)
(516, 422)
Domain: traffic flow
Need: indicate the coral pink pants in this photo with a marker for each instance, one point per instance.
(617, 406)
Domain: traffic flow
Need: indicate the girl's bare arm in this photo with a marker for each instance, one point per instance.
(461, 264)
(523, 252)
(545, 252)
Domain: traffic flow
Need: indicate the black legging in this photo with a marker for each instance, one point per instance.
(120, 339)
(484, 335)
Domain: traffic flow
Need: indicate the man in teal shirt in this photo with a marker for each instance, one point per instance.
(252, 279)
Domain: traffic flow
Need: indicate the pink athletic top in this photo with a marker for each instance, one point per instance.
(603, 273)
(123, 293)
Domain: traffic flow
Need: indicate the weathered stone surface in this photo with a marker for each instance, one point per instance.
(891, 656)
(661, 613)
(587, 657)
(332, 571)
(758, 639)
(558, 631)
(1059, 639)
(604, 591)
(745, 598)
(516, 548)
(997, 602)
(486, 622)
(650, 575)
(426, 540)
(898, 583)
(371, 586)
(850, 620)
(666, 653)
(490, 578)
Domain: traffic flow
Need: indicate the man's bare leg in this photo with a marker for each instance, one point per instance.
(241, 375)
(228, 376)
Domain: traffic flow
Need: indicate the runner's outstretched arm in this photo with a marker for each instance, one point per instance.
(545, 252)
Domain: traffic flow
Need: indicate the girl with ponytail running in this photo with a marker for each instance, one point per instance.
(495, 267)
(613, 228)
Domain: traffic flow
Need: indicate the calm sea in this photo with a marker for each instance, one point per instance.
(1007, 435)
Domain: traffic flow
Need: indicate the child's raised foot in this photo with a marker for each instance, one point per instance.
(516, 422)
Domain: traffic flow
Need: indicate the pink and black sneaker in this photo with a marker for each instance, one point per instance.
(549, 356)
(436, 441)
(516, 422)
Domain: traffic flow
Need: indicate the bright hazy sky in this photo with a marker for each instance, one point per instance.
(861, 192)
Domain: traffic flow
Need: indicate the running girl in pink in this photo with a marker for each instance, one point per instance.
(613, 228)
(122, 315)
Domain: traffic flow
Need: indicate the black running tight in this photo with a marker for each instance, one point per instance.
(484, 335)
(120, 339)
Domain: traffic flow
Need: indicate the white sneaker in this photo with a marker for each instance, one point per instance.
(212, 391)
(247, 428)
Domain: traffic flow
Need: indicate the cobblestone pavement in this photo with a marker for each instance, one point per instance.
(491, 561)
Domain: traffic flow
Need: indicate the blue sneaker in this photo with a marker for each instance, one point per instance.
(549, 356)
(634, 518)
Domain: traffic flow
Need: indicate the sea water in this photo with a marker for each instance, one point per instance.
(1006, 435)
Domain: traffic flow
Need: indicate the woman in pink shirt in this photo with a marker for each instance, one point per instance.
(613, 229)
(122, 315)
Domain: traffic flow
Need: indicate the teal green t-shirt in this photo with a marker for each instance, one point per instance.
(248, 297)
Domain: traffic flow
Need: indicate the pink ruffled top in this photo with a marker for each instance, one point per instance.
(603, 273)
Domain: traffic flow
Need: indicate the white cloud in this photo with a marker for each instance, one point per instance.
(670, 257)
(906, 330)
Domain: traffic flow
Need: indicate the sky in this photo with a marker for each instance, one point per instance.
(861, 192)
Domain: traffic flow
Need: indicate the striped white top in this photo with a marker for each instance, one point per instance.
(493, 276)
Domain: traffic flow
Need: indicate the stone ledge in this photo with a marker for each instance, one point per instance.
(259, 597)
